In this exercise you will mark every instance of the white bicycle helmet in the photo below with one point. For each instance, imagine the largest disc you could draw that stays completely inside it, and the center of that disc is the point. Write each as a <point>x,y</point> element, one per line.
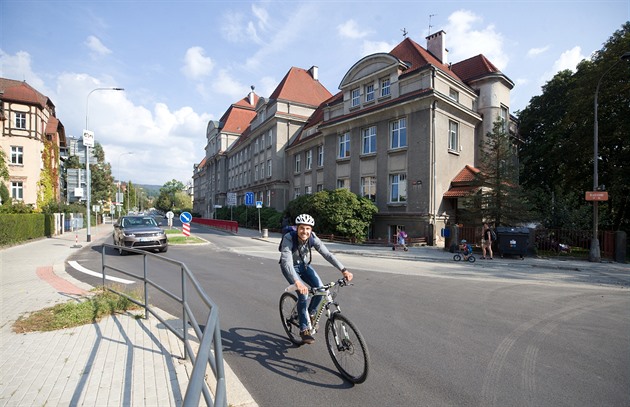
<point>305,219</point>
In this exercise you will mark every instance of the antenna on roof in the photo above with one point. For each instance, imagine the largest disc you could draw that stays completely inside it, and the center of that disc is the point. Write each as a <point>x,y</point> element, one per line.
<point>430,15</point>
<point>404,31</point>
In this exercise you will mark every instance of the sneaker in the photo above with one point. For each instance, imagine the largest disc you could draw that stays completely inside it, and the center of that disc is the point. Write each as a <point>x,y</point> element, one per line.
<point>482,258</point>
<point>307,337</point>
<point>490,258</point>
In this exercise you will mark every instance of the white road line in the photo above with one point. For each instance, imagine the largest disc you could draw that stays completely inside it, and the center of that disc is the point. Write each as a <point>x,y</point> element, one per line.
<point>82,269</point>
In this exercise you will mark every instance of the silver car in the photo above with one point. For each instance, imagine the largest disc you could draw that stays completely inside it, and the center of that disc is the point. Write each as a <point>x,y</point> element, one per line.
<point>139,232</point>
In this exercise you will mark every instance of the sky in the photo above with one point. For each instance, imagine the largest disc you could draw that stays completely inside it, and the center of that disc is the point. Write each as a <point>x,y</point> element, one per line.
<point>183,63</point>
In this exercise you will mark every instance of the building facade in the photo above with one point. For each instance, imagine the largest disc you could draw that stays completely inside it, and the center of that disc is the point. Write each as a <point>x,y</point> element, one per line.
<point>402,127</point>
<point>33,140</point>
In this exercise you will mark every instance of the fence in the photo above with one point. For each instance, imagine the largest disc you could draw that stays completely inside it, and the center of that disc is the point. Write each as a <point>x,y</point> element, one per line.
<point>229,225</point>
<point>555,242</point>
<point>209,337</point>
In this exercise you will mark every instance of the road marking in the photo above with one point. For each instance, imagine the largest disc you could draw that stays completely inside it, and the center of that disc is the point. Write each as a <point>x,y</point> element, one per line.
<point>82,269</point>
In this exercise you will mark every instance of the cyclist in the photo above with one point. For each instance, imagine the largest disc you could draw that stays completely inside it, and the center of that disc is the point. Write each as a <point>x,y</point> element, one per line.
<point>465,248</point>
<point>297,270</point>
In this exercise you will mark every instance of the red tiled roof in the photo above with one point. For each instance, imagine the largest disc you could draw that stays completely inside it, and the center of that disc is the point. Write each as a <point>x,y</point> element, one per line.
<point>463,183</point>
<point>474,67</point>
<point>239,115</point>
<point>299,86</point>
<point>20,91</point>
<point>409,51</point>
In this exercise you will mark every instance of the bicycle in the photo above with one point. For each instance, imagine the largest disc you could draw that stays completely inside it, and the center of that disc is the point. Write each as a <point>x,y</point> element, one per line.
<point>459,256</point>
<point>345,343</point>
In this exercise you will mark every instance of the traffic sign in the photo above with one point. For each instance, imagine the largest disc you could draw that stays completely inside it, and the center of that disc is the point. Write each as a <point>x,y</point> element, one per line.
<point>258,204</point>
<point>249,198</point>
<point>185,217</point>
<point>88,138</point>
<point>231,199</point>
<point>169,215</point>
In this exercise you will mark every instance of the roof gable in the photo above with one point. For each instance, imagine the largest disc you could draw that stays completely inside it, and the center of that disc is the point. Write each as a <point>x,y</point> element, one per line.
<point>474,67</point>
<point>20,91</point>
<point>410,52</point>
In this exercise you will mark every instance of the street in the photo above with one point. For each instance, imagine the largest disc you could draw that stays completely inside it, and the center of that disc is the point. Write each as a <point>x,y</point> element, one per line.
<point>439,333</point>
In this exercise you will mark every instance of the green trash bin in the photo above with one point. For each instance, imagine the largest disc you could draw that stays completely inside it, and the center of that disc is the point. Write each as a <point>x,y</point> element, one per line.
<point>512,241</point>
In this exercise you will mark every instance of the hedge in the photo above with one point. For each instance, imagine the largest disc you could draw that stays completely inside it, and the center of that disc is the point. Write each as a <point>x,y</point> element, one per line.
<point>19,227</point>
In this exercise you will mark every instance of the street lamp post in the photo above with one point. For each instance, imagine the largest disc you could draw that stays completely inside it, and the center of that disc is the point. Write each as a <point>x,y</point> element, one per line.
<point>88,180</point>
<point>119,181</point>
<point>594,253</point>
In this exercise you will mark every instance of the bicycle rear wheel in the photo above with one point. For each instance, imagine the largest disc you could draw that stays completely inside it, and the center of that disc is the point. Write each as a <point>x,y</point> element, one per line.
<point>347,348</point>
<point>290,319</point>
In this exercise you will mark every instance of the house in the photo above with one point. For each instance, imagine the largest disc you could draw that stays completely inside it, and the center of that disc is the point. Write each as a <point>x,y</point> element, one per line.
<point>401,129</point>
<point>32,139</point>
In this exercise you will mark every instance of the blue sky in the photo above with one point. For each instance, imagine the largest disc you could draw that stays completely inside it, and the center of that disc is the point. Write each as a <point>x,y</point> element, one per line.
<point>182,63</point>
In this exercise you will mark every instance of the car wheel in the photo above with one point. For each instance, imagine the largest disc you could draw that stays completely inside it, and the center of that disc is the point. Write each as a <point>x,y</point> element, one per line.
<point>164,249</point>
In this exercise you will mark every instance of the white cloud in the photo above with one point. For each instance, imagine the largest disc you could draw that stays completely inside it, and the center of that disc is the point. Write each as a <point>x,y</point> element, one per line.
<point>18,67</point>
<point>238,28</point>
<point>227,85</point>
<point>196,64</point>
<point>350,29</point>
<point>464,40</point>
<point>537,51</point>
<point>96,47</point>
<point>567,60</point>
<point>372,47</point>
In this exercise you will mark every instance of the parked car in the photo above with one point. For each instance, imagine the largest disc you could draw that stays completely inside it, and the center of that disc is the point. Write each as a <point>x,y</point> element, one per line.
<point>139,232</point>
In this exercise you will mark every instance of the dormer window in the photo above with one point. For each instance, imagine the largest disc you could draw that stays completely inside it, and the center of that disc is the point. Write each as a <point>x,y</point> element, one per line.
<point>453,94</point>
<point>369,92</point>
<point>356,97</point>
<point>384,87</point>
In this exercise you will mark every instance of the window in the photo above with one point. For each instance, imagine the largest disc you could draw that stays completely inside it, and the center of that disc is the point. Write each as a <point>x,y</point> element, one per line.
<point>320,187</point>
<point>343,183</point>
<point>298,162</point>
<point>255,173</point>
<point>320,156</point>
<point>356,97</point>
<point>398,188</point>
<point>256,146</point>
<point>309,160</point>
<point>384,87</point>
<point>453,135</point>
<point>270,140</point>
<point>296,192</point>
<point>504,118</point>
<point>368,188</point>
<point>17,190</point>
<point>344,145</point>
<point>369,92</point>
<point>453,94</point>
<point>308,190</point>
<point>20,120</point>
<point>268,197</point>
<point>17,155</point>
<point>262,142</point>
<point>398,133</point>
<point>269,168</point>
<point>369,140</point>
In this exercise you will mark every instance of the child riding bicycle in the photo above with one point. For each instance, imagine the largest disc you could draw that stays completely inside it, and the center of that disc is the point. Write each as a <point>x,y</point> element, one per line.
<point>294,248</point>
<point>465,249</point>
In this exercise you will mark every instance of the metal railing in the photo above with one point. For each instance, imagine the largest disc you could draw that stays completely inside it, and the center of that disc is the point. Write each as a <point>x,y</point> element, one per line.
<point>209,338</point>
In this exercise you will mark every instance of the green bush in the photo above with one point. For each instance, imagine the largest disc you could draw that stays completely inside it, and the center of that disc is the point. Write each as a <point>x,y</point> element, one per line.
<point>20,227</point>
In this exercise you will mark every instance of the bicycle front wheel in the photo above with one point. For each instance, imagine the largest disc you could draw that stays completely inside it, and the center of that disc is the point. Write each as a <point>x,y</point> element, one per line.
<point>290,319</point>
<point>347,348</point>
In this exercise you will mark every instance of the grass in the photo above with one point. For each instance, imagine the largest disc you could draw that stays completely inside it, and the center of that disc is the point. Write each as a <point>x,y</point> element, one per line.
<point>184,240</point>
<point>88,310</point>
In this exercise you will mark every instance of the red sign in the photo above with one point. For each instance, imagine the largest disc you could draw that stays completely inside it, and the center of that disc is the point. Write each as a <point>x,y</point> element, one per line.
<point>186,229</point>
<point>596,195</point>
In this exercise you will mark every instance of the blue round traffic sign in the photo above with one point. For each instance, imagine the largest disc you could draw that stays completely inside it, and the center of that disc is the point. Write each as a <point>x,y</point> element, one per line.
<point>185,217</point>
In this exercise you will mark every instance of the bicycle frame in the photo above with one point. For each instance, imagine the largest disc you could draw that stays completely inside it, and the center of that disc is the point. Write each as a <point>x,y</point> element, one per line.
<point>326,303</point>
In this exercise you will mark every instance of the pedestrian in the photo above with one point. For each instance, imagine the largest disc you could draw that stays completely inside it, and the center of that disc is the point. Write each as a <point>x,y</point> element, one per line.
<point>486,241</point>
<point>401,236</point>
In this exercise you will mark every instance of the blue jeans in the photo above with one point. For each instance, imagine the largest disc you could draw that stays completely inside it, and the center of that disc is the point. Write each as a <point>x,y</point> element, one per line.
<point>308,275</point>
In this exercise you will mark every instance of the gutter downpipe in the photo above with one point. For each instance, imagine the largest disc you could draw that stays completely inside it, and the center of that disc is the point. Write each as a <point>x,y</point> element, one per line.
<point>432,199</point>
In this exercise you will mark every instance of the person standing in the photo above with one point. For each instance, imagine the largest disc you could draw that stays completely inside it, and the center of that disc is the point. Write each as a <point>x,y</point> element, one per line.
<point>486,241</point>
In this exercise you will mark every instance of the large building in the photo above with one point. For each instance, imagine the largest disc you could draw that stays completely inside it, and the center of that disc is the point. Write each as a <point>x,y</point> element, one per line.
<point>32,140</point>
<point>403,130</point>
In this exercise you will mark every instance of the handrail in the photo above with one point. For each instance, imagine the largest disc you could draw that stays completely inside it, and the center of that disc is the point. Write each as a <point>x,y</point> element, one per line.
<point>209,338</point>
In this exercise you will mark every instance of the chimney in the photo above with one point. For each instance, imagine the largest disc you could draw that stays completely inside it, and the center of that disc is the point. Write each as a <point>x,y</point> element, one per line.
<point>314,71</point>
<point>436,45</point>
<point>251,96</point>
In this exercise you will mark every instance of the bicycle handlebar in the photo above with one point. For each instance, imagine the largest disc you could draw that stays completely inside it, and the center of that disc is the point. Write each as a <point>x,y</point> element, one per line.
<point>342,282</point>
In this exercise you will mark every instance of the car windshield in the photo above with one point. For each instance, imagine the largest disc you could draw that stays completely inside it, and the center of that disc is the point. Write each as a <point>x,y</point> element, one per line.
<point>133,222</point>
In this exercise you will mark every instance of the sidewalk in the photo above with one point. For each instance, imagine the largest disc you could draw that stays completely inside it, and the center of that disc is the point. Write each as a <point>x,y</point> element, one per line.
<point>119,361</point>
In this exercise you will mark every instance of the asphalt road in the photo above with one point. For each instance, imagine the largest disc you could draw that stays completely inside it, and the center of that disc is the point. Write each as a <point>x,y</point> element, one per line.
<point>437,334</point>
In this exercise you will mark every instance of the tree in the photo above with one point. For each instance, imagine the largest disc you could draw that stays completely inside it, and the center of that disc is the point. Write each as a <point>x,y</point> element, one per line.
<point>339,212</point>
<point>4,169</point>
<point>168,198</point>
<point>500,200</point>
<point>557,127</point>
